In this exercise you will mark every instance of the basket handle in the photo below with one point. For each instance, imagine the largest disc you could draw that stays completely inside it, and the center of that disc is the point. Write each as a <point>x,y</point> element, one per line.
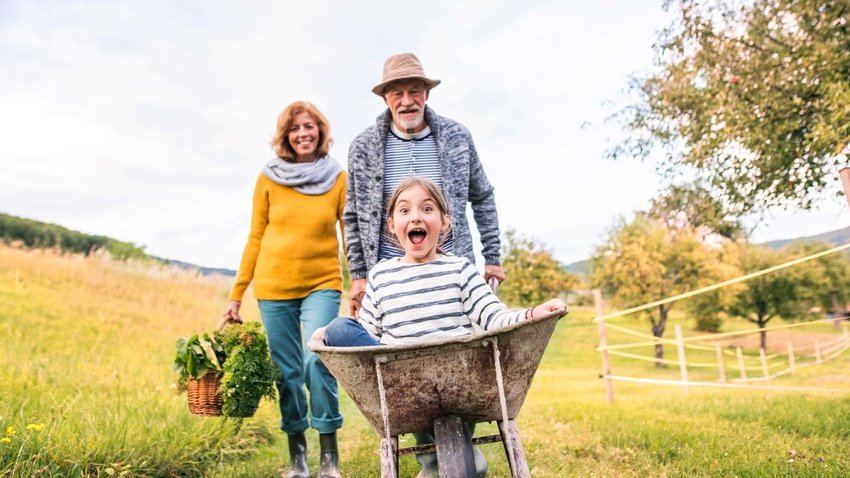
<point>223,322</point>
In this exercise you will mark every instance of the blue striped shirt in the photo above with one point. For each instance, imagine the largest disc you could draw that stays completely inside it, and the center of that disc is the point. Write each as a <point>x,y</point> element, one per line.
<point>405,156</point>
<point>438,300</point>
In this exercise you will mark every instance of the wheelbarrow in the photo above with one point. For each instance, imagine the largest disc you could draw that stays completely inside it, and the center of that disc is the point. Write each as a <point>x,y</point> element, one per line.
<point>440,387</point>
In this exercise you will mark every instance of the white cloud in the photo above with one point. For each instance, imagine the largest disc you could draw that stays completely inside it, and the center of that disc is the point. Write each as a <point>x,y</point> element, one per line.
<point>149,121</point>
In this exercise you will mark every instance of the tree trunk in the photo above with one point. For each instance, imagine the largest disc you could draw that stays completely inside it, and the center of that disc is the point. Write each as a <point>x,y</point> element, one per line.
<point>837,312</point>
<point>763,334</point>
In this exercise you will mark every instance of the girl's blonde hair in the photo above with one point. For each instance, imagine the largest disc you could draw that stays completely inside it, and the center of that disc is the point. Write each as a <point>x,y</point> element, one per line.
<point>433,191</point>
<point>280,142</point>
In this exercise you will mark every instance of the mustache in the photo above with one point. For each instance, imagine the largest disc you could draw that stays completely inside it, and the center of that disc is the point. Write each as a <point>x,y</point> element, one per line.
<point>409,109</point>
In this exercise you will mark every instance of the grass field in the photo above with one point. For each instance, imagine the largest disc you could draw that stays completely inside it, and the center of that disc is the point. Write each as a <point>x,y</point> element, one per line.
<point>85,390</point>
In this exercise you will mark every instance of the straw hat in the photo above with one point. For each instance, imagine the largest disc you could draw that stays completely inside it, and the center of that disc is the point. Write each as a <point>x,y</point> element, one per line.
<point>403,66</point>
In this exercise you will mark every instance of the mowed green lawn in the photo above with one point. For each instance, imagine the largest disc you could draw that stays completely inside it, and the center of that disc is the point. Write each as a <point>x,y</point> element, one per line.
<point>85,390</point>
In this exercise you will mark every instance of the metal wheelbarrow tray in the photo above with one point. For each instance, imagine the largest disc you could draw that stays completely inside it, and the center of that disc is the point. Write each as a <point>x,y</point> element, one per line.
<point>437,387</point>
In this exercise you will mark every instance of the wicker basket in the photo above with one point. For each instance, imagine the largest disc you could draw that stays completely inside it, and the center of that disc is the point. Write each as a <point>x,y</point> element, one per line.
<point>205,395</point>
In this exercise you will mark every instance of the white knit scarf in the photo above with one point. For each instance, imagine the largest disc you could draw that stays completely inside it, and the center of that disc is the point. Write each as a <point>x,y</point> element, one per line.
<point>315,178</point>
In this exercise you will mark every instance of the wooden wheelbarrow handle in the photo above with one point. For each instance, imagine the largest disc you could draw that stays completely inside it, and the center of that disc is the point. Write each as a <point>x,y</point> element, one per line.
<point>494,284</point>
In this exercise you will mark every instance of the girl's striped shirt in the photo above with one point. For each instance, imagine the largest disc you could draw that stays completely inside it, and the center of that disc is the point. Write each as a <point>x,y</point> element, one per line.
<point>438,300</point>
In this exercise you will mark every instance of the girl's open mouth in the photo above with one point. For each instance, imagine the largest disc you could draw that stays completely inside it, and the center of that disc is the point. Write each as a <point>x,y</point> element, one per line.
<point>417,236</point>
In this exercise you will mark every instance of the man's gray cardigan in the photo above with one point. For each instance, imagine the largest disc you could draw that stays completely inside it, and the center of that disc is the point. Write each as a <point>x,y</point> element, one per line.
<point>463,181</point>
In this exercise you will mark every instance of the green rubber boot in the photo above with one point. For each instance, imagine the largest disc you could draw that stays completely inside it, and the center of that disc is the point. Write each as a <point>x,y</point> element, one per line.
<point>480,462</point>
<point>329,456</point>
<point>429,467</point>
<point>427,461</point>
<point>297,457</point>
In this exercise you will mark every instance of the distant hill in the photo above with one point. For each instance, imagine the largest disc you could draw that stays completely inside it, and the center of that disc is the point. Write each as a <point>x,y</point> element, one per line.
<point>579,268</point>
<point>203,270</point>
<point>833,238</point>
<point>43,235</point>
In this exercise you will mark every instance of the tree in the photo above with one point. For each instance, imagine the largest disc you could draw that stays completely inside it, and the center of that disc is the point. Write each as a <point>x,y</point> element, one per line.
<point>533,274</point>
<point>644,261</point>
<point>785,293</point>
<point>827,278</point>
<point>693,205</point>
<point>710,307</point>
<point>752,96</point>
<point>45,235</point>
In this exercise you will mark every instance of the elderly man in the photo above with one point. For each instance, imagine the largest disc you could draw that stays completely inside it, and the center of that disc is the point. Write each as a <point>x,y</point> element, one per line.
<point>410,139</point>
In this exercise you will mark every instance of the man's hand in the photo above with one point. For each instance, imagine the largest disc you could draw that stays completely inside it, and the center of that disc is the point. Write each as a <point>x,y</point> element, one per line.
<point>491,270</point>
<point>355,296</point>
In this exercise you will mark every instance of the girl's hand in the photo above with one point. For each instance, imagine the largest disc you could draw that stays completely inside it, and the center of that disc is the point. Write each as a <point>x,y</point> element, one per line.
<point>546,308</point>
<point>232,312</point>
<point>318,334</point>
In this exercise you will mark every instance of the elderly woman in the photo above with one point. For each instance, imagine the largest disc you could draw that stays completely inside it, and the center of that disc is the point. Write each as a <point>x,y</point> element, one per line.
<point>292,258</point>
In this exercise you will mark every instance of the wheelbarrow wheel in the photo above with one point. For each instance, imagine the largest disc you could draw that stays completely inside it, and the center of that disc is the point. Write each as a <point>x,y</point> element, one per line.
<point>454,447</point>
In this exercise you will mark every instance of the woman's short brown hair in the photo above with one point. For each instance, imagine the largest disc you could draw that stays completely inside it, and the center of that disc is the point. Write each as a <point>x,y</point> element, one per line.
<point>280,142</point>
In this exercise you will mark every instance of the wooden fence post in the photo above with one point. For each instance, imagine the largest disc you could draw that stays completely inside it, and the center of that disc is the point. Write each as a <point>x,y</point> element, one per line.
<point>818,359</point>
<point>603,342</point>
<point>741,366</point>
<point>763,357</point>
<point>792,362</point>
<point>683,366</point>
<point>721,366</point>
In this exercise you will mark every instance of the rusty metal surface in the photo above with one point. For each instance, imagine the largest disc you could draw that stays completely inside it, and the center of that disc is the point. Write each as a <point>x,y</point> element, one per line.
<point>426,381</point>
<point>432,447</point>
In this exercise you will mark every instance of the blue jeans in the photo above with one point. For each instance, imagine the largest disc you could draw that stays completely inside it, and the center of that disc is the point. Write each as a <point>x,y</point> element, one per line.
<point>287,323</point>
<point>346,332</point>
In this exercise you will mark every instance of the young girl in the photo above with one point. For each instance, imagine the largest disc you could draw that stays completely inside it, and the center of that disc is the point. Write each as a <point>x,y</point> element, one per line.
<point>424,295</point>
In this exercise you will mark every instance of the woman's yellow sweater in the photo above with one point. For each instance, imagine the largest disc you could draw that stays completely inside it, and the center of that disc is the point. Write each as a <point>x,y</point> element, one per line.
<point>292,248</point>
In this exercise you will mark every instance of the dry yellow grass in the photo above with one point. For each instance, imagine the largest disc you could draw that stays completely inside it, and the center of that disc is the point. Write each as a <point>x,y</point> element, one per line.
<point>87,346</point>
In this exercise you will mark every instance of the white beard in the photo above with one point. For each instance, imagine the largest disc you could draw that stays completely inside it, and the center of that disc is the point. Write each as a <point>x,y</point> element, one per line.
<point>408,124</point>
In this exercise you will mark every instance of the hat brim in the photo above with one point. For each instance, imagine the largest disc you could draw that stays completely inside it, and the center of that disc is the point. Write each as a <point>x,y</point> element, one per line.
<point>381,87</point>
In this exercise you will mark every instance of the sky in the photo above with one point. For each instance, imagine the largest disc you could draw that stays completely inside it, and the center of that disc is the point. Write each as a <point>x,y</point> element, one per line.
<point>149,121</point>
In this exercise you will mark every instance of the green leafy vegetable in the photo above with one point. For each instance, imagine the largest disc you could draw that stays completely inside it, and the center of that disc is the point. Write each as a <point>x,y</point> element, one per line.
<point>241,353</point>
<point>249,373</point>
